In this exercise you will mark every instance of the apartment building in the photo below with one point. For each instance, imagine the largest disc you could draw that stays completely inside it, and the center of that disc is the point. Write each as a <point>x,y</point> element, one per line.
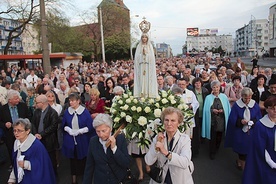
<point>272,30</point>
<point>252,38</point>
<point>208,42</point>
<point>6,25</point>
<point>26,43</point>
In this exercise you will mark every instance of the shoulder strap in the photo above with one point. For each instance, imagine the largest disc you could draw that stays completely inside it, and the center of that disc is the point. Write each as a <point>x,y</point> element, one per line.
<point>171,151</point>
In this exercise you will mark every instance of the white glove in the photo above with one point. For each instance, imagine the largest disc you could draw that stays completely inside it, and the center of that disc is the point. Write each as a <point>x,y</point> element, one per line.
<point>269,161</point>
<point>71,131</point>
<point>250,123</point>
<point>68,129</point>
<point>74,132</point>
<point>83,130</point>
<point>20,170</point>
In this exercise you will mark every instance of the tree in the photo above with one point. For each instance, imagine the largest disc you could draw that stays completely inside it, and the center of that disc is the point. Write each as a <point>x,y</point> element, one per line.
<point>23,12</point>
<point>117,46</point>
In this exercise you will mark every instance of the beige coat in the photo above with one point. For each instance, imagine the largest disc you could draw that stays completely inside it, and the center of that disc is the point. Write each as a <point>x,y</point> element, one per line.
<point>180,162</point>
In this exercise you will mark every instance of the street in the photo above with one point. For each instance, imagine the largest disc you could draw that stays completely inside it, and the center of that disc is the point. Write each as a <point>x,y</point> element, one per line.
<point>218,171</point>
<point>267,62</point>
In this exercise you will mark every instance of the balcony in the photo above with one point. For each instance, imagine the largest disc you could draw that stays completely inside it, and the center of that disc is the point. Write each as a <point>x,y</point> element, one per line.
<point>2,27</point>
<point>259,34</point>
<point>17,39</point>
<point>259,28</point>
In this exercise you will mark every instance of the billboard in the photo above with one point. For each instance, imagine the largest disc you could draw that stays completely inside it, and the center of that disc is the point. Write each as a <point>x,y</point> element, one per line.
<point>208,31</point>
<point>192,31</point>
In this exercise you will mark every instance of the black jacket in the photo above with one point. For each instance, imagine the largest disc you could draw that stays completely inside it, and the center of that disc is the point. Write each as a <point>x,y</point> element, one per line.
<point>50,125</point>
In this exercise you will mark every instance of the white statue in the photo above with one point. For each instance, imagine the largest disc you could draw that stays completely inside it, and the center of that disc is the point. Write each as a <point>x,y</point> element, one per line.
<point>145,80</point>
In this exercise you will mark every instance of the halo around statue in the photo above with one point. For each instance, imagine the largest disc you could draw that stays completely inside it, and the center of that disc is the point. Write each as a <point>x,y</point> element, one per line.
<point>144,26</point>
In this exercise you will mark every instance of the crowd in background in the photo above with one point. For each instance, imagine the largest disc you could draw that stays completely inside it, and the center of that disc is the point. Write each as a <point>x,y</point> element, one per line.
<point>211,88</point>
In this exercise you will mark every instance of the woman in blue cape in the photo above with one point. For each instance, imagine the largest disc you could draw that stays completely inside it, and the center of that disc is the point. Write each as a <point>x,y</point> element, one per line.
<point>31,162</point>
<point>216,111</point>
<point>244,114</point>
<point>260,167</point>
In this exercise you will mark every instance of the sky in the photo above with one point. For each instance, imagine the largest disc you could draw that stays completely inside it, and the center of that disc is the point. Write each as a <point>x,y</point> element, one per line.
<point>170,18</point>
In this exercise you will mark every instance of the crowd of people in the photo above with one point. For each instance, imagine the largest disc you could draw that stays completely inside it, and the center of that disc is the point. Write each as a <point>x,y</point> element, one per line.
<point>66,108</point>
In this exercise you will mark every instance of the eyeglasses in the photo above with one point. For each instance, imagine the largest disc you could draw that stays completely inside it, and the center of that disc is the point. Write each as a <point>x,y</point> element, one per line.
<point>18,131</point>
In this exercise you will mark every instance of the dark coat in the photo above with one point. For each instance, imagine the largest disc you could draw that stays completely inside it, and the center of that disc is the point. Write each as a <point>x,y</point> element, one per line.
<point>99,164</point>
<point>50,125</point>
<point>6,117</point>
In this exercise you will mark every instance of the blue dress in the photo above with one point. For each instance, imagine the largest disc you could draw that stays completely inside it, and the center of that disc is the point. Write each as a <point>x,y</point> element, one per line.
<point>42,171</point>
<point>80,142</point>
<point>257,170</point>
<point>235,136</point>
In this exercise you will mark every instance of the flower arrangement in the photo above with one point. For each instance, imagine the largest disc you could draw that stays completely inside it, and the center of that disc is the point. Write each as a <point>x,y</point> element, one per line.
<point>142,116</point>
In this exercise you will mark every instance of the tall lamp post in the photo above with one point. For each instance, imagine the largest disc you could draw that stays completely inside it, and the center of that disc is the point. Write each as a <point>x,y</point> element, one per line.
<point>131,54</point>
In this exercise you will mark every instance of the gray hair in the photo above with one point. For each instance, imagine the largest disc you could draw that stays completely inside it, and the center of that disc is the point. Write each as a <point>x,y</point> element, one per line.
<point>24,122</point>
<point>177,90</point>
<point>215,83</point>
<point>13,93</point>
<point>229,71</point>
<point>102,119</point>
<point>246,91</point>
<point>118,89</point>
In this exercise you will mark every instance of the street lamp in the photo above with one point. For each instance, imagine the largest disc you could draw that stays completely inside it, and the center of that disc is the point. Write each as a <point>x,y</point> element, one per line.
<point>131,54</point>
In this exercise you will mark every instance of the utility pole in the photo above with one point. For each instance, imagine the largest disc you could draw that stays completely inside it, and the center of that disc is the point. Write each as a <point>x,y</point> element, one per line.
<point>102,35</point>
<point>44,35</point>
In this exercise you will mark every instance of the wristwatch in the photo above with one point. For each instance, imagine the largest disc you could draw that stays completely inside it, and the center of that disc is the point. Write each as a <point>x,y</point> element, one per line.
<point>169,155</point>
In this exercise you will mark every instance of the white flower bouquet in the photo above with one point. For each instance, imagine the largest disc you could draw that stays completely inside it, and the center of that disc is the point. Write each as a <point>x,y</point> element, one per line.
<point>142,116</point>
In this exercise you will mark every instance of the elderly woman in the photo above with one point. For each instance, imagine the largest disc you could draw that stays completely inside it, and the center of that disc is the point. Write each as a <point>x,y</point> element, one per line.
<point>31,162</point>
<point>216,111</point>
<point>174,150</point>
<point>244,114</point>
<point>261,159</point>
<point>96,105</point>
<point>77,125</point>
<point>106,164</point>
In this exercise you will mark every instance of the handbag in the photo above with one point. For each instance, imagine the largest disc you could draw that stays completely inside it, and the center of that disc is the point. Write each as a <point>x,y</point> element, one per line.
<point>156,172</point>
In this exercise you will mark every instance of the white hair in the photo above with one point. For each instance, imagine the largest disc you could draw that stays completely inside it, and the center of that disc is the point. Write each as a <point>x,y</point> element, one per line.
<point>102,119</point>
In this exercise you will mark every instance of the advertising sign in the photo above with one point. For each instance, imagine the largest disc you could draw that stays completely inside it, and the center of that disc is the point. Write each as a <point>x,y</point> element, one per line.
<point>192,31</point>
<point>208,31</point>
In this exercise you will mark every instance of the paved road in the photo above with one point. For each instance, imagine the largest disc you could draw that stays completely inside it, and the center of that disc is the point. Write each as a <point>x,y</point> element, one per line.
<point>267,62</point>
<point>218,171</point>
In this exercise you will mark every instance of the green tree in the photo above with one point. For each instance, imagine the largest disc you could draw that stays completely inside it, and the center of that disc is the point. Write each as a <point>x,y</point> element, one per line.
<point>117,46</point>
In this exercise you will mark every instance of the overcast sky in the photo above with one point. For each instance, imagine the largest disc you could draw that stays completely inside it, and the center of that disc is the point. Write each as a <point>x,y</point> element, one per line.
<point>170,18</point>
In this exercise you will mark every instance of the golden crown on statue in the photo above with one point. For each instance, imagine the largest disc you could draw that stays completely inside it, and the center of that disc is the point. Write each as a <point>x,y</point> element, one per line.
<point>144,26</point>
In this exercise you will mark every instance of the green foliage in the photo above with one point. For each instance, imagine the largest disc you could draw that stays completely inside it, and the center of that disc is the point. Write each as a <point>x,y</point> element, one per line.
<point>117,46</point>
